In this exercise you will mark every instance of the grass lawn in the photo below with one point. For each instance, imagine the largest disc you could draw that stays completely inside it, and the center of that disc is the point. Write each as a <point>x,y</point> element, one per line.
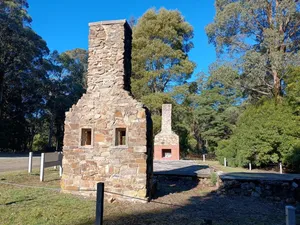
<point>22,205</point>
<point>178,202</point>
<point>227,169</point>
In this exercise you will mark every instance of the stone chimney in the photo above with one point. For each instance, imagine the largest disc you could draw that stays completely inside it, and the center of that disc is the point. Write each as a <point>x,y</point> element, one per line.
<point>109,55</point>
<point>166,120</point>
<point>108,133</point>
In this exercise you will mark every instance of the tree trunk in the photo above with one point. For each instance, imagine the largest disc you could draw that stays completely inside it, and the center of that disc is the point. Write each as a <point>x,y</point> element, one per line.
<point>1,92</point>
<point>50,133</point>
<point>277,85</point>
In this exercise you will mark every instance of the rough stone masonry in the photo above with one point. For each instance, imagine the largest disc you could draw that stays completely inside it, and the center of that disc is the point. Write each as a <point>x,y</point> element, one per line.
<point>108,134</point>
<point>166,143</point>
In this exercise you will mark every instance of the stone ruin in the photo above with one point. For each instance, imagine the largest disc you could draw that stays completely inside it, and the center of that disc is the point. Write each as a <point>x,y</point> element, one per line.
<point>108,134</point>
<point>166,143</point>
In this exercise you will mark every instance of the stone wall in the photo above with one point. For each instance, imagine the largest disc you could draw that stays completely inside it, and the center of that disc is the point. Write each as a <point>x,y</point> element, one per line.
<point>166,138</point>
<point>287,191</point>
<point>126,169</point>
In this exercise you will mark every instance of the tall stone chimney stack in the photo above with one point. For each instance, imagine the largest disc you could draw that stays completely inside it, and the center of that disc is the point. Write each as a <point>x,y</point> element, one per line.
<point>109,55</point>
<point>166,123</point>
<point>108,133</point>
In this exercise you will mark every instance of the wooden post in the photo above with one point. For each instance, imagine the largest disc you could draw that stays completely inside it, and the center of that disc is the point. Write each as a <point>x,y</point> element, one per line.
<point>250,166</point>
<point>203,157</point>
<point>42,167</point>
<point>290,215</point>
<point>60,170</point>
<point>225,162</point>
<point>30,163</point>
<point>60,166</point>
<point>99,204</point>
<point>280,167</point>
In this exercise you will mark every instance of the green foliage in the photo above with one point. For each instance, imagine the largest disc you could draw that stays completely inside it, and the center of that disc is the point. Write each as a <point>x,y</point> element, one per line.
<point>65,85</point>
<point>21,75</point>
<point>161,41</point>
<point>263,38</point>
<point>35,89</point>
<point>213,178</point>
<point>266,133</point>
<point>293,88</point>
<point>39,142</point>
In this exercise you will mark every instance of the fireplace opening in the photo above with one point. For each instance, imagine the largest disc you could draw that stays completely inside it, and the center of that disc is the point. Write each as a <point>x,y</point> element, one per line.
<point>120,136</point>
<point>166,153</point>
<point>86,136</point>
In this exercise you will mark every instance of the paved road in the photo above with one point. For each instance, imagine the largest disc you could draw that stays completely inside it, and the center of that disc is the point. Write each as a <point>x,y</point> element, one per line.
<point>17,162</point>
<point>188,168</point>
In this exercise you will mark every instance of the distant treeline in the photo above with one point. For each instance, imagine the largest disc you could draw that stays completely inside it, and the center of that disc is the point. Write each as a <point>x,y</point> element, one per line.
<point>246,109</point>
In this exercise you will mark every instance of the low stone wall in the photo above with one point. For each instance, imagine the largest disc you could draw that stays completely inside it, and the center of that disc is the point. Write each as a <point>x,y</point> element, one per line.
<point>286,191</point>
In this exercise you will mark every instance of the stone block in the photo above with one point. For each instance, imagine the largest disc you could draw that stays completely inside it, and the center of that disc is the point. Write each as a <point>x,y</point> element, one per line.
<point>141,149</point>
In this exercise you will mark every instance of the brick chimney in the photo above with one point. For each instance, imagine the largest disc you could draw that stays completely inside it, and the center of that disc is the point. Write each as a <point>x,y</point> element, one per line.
<point>166,142</point>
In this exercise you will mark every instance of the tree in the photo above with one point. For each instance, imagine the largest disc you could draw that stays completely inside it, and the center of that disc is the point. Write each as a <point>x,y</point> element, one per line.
<point>218,107</point>
<point>161,42</point>
<point>21,75</point>
<point>293,88</point>
<point>206,110</point>
<point>21,49</point>
<point>266,133</point>
<point>264,38</point>
<point>66,84</point>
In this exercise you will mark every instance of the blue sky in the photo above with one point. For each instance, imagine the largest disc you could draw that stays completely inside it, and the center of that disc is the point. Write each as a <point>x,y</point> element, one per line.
<point>64,23</point>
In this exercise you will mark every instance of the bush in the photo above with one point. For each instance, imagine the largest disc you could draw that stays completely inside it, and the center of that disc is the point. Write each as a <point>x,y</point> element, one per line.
<point>39,142</point>
<point>213,179</point>
<point>266,133</point>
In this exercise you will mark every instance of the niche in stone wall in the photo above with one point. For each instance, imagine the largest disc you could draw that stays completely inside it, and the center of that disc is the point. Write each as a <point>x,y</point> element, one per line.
<point>86,137</point>
<point>120,137</point>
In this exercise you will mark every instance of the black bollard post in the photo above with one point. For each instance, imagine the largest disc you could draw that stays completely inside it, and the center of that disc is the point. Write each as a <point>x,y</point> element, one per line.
<point>99,204</point>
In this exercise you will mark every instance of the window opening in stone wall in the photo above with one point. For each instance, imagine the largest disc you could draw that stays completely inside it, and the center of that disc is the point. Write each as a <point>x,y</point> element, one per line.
<point>86,137</point>
<point>166,153</point>
<point>120,136</point>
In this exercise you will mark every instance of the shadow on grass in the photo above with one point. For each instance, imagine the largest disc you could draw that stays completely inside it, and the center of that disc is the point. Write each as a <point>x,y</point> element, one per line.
<point>172,184</point>
<point>179,201</point>
<point>207,210</point>
<point>20,201</point>
<point>178,180</point>
<point>188,171</point>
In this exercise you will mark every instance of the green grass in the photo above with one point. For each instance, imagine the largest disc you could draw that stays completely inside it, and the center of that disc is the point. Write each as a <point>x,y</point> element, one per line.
<point>227,169</point>
<point>51,178</point>
<point>45,205</point>
<point>39,206</point>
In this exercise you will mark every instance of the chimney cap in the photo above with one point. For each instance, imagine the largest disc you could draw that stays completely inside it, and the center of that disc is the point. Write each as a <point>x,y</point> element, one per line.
<point>107,22</point>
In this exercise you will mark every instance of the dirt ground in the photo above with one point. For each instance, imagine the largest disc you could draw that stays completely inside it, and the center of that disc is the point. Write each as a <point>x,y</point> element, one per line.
<point>178,201</point>
<point>184,201</point>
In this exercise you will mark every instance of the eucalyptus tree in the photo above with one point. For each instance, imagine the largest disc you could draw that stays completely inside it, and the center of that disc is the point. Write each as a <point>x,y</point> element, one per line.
<point>21,49</point>
<point>264,38</point>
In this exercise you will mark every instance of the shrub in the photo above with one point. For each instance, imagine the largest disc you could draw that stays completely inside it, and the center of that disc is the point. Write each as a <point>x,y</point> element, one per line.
<point>213,179</point>
<point>266,133</point>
